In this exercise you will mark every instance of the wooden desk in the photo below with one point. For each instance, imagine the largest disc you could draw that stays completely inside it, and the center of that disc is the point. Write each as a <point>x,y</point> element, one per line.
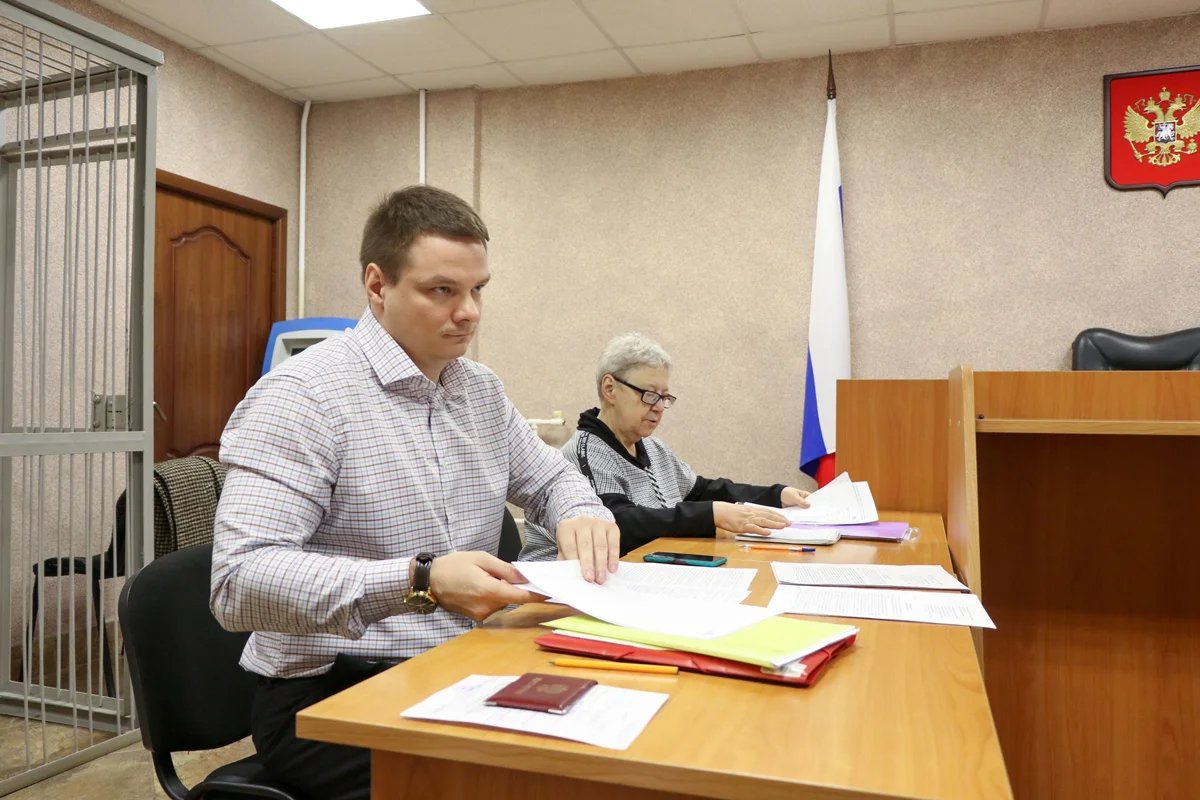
<point>902,715</point>
<point>1071,511</point>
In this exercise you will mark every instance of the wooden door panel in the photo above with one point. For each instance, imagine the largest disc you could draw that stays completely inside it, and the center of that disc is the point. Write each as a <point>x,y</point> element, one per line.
<point>217,271</point>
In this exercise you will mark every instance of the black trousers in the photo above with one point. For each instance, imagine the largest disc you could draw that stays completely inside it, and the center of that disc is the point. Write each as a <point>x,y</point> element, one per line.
<point>315,770</point>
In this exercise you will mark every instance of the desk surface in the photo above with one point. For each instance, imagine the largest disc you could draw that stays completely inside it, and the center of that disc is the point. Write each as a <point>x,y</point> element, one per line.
<point>902,714</point>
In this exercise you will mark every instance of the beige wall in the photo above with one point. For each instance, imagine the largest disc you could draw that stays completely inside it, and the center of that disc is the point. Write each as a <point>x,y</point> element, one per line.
<point>219,128</point>
<point>978,223</point>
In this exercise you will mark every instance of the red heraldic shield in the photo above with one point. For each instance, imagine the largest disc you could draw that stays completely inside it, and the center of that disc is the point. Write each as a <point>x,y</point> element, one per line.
<point>1152,129</point>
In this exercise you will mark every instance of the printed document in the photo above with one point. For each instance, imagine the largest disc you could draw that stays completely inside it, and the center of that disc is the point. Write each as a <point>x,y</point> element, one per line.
<point>909,576</point>
<point>620,602</point>
<point>940,608</point>
<point>839,502</point>
<point>607,716</point>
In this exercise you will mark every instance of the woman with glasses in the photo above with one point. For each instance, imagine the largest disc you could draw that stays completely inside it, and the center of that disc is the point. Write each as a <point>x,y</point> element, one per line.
<point>650,491</point>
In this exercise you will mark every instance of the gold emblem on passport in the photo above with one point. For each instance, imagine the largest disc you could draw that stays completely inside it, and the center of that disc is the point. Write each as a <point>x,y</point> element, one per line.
<point>1163,129</point>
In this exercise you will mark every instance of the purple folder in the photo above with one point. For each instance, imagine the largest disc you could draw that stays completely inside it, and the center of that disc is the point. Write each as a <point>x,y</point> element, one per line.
<point>882,531</point>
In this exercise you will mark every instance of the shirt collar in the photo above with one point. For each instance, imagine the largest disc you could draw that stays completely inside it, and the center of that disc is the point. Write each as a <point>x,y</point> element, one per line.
<point>393,365</point>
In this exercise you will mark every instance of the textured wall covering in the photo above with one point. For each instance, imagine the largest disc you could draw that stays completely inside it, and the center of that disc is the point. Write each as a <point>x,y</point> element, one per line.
<point>357,153</point>
<point>978,223</point>
<point>219,128</point>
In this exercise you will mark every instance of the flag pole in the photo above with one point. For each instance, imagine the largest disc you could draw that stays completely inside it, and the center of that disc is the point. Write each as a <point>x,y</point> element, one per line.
<point>830,86</point>
<point>829,314</point>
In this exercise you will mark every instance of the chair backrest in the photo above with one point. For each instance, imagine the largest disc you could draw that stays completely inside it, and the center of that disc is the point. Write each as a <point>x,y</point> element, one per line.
<point>1104,349</point>
<point>190,692</point>
<point>510,539</point>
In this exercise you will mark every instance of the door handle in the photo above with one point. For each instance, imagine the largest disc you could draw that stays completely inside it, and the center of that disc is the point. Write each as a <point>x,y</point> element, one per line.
<point>158,410</point>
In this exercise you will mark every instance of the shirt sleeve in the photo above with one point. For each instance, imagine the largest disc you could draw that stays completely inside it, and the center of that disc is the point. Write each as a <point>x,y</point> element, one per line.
<point>539,544</point>
<point>723,489</point>
<point>543,482</point>
<point>284,452</point>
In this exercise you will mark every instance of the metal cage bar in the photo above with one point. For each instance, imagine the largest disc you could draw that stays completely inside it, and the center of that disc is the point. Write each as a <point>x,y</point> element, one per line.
<point>77,114</point>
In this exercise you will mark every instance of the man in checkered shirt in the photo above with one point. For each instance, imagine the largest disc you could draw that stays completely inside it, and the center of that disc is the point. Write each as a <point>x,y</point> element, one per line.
<point>368,475</point>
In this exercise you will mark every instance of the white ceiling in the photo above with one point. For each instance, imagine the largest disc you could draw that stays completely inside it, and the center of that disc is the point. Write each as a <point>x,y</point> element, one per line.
<point>496,44</point>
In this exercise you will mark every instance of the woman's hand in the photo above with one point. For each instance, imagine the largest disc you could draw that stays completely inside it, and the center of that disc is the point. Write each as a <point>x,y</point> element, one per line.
<point>747,519</point>
<point>792,496</point>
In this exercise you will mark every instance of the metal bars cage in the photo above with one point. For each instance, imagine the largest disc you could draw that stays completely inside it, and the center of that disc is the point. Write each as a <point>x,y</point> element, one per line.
<point>77,104</point>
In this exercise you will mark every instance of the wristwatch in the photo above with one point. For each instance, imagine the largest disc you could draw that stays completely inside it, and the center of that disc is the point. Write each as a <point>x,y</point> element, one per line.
<point>420,599</point>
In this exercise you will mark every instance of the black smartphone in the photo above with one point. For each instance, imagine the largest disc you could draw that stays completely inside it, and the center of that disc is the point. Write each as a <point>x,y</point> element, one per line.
<point>689,559</point>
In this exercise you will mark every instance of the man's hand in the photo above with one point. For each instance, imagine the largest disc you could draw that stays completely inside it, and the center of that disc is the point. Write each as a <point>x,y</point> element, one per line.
<point>747,519</point>
<point>792,496</point>
<point>595,542</point>
<point>476,584</point>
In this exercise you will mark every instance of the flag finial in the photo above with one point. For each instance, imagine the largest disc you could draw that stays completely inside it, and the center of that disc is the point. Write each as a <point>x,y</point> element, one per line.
<point>830,86</point>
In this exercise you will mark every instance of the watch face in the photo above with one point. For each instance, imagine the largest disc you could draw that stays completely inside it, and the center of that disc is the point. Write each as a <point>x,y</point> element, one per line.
<point>421,602</point>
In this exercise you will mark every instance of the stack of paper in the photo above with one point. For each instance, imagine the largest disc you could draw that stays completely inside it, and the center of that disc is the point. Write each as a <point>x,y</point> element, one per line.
<point>840,508</point>
<point>624,600</point>
<point>833,590</point>
<point>839,502</point>
<point>773,643</point>
<point>940,608</point>
<point>908,576</point>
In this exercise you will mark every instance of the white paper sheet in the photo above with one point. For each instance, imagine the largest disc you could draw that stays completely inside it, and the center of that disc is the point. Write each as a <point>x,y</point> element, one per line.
<point>941,608</point>
<point>909,576</point>
<point>839,502</point>
<point>607,716</point>
<point>622,604</point>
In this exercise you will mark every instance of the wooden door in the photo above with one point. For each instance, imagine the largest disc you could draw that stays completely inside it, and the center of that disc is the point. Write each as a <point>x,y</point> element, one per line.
<point>218,286</point>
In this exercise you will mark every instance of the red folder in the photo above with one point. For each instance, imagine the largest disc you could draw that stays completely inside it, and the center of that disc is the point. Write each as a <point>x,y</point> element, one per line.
<point>709,665</point>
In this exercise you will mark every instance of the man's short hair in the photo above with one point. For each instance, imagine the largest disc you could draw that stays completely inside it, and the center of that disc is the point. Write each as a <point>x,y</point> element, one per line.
<point>626,352</point>
<point>404,215</point>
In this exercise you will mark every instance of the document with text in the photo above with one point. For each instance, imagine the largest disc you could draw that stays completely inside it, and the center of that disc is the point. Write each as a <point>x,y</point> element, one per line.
<point>607,716</point>
<point>620,600</point>
<point>940,608</point>
<point>839,502</point>
<point>907,576</point>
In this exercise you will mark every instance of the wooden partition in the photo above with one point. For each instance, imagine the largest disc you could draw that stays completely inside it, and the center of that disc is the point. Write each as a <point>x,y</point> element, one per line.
<point>962,499</point>
<point>1083,553</point>
<point>1071,509</point>
<point>892,434</point>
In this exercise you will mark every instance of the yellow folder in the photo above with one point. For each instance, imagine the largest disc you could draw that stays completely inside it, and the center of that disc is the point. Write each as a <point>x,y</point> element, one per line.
<point>771,643</point>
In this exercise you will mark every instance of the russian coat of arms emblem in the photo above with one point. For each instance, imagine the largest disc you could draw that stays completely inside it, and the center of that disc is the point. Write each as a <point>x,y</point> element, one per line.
<point>1152,136</point>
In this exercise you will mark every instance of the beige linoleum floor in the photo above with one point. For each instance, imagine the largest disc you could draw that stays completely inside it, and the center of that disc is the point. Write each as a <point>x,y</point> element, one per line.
<point>126,774</point>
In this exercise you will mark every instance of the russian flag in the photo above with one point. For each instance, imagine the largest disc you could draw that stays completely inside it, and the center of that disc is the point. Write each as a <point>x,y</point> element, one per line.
<point>828,314</point>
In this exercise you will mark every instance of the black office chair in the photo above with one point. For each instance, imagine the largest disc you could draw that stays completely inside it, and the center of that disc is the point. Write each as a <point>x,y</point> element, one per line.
<point>510,539</point>
<point>109,564</point>
<point>186,491</point>
<point>190,692</point>
<point>1104,349</point>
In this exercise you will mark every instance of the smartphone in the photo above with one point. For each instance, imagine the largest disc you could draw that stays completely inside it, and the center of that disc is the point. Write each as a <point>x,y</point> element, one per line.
<point>689,559</point>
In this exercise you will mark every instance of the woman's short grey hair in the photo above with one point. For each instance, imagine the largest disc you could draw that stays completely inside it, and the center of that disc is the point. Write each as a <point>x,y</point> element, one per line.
<point>629,351</point>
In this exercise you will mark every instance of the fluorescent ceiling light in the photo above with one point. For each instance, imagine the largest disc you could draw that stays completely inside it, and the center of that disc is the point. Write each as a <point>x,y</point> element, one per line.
<point>340,13</point>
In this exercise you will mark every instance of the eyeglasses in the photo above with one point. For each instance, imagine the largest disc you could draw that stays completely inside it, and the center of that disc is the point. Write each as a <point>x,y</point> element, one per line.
<point>649,397</point>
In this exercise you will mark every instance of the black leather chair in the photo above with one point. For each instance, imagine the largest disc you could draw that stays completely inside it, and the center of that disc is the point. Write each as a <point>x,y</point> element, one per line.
<point>186,491</point>
<point>510,539</point>
<point>1104,349</point>
<point>99,567</point>
<point>190,692</point>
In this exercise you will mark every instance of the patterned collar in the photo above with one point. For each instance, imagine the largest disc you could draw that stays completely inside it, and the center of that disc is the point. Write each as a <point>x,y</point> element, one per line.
<point>393,365</point>
<point>590,422</point>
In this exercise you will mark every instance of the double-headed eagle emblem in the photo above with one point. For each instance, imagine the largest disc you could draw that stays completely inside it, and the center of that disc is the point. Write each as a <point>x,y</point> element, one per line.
<point>1157,130</point>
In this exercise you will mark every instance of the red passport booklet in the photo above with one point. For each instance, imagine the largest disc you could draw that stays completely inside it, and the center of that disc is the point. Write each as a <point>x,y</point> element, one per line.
<point>535,691</point>
<point>813,665</point>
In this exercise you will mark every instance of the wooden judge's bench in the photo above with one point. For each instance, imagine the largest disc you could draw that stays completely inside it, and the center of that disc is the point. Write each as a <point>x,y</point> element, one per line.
<point>1072,508</point>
